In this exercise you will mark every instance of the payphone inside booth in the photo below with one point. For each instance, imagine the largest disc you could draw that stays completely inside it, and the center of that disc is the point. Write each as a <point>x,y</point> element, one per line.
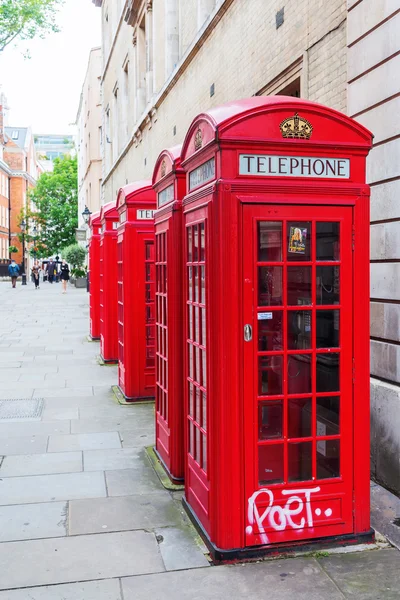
<point>108,296</point>
<point>169,182</point>
<point>94,270</point>
<point>136,287</point>
<point>277,374</point>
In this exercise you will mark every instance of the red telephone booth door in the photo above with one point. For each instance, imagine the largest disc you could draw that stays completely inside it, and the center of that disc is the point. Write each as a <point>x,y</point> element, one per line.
<point>298,372</point>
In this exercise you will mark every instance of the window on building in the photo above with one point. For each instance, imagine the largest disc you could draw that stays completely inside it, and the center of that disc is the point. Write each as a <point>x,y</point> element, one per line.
<point>293,89</point>
<point>287,83</point>
<point>15,134</point>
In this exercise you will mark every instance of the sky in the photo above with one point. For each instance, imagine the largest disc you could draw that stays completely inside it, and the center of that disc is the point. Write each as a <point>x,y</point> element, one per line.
<point>44,91</point>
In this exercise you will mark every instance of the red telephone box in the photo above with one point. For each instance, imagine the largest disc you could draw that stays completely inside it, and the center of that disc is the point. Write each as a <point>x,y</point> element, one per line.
<point>169,182</point>
<point>277,286</point>
<point>94,275</point>
<point>108,300</point>
<point>136,280</point>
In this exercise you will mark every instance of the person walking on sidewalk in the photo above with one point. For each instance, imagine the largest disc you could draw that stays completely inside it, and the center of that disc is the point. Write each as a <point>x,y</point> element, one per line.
<point>50,268</point>
<point>64,276</point>
<point>13,271</point>
<point>35,274</point>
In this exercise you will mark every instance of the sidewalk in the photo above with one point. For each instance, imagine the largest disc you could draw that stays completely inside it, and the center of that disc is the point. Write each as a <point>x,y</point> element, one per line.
<point>83,515</point>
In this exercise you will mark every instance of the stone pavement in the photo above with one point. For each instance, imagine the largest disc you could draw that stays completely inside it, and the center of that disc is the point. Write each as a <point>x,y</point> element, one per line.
<point>83,515</point>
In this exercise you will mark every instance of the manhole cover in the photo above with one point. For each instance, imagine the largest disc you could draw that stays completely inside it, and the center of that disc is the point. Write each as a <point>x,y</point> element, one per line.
<point>21,410</point>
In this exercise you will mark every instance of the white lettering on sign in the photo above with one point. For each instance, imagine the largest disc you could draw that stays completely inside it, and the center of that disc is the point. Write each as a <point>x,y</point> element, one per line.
<point>264,316</point>
<point>203,173</point>
<point>268,165</point>
<point>166,195</point>
<point>143,215</point>
<point>279,517</point>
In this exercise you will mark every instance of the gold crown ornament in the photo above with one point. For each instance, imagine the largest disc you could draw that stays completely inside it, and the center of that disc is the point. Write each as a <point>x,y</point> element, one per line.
<point>296,127</point>
<point>198,139</point>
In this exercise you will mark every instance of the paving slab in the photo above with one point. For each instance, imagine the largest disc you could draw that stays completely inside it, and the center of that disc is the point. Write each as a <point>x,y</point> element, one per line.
<point>301,579</point>
<point>33,521</point>
<point>385,513</point>
<point>181,548</point>
<point>123,423</point>
<point>25,428</point>
<point>71,559</point>
<point>34,444</point>
<point>109,460</point>
<point>122,513</point>
<point>368,575</point>
<point>106,589</point>
<point>16,393</point>
<point>138,438</point>
<point>41,464</point>
<point>50,488</point>
<point>64,414</point>
<point>83,441</point>
<point>63,392</point>
<point>127,482</point>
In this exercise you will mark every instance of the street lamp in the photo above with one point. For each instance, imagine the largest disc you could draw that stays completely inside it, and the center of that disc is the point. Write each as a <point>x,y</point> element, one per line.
<point>86,215</point>
<point>22,227</point>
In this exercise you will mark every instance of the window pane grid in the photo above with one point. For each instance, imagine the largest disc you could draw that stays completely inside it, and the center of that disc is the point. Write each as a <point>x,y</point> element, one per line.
<point>196,343</point>
<point>301,453</point>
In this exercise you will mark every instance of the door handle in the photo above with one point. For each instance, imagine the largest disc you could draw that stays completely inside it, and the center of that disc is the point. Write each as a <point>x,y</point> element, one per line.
<point>248,333</point>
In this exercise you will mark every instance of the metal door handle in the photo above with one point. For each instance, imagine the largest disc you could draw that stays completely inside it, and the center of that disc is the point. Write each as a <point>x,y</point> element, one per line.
<point>248,333</point>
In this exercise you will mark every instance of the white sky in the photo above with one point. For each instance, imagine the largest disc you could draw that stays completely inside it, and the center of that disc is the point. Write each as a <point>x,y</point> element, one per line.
<point>44,91</point>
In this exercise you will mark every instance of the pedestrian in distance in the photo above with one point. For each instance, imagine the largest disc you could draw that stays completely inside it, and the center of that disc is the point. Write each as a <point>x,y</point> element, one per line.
<point>50,268</point>
<point>13,271</point>
<point>64,276</point>
<point>36,275</point>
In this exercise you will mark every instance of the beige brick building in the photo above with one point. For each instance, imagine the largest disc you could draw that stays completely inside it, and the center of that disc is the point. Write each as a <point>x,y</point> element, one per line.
<point>89,124</point>
<point>164,61</point>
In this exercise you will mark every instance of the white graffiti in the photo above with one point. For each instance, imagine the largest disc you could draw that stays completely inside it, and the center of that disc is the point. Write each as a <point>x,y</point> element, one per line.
<point>279,517</point>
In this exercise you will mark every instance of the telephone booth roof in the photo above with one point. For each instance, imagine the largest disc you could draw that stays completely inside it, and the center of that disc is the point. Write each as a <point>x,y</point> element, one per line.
<point>94,219</point>
<point>108,211</point>
<point>244,120</point>
<point>127,193</point>
<point>172,158</point>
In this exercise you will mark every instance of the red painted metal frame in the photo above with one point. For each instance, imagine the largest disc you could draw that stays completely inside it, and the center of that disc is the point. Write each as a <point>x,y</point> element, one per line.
<point>94,274</point>
<point>109,219</point>
<point>169,177</point>
<point>135,270</point>
<point>217,498</point>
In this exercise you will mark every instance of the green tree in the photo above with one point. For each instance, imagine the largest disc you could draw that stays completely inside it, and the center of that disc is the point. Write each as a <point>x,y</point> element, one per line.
<point>75,255</point>
<point>26,19</point>
<point>54,207</point>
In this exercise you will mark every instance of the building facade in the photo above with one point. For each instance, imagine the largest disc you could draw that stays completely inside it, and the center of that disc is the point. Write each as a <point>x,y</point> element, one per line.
<point>51,146</point>
<point>89,125</point>
<point>373,38</point>
<point>164,61</point>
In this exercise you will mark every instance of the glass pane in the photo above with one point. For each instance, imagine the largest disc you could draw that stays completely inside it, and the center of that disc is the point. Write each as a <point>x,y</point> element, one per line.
<point>299,417</point>
<point>298,240</point>
<point>270,375</point>
<point>191,403</point>
<point>270,331</point>
<point>299,286</point>
<point>204,368</point>
<point>328,415</point>
<point>328,241</point>
<point>198,407</point>
<point>300,461</point>
<point>299,373</point>
<point>203,327</point>
<point>269,286</point>
<point>189,243</point>
<point>205,453</point>
<point>270,415</point>
<point>327,328</point>
<point>269,241</point>
<point>270,464</point>
<point>195,243</point>
<point>328,372</point>
<point>202,242</point>
<point>204,408</point>
<point>191,439</point>
<point>190,359</point>
<point>190,284</point>
<point>203,285</point>
<point>190,322</point>
<point>328,285</point>
<point>299,329</point>
<point>328,459</point>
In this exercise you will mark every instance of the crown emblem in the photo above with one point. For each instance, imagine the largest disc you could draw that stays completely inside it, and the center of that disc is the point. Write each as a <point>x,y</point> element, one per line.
<point>198,140</point>
<point>296,127</point>
<point>163,169</point>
